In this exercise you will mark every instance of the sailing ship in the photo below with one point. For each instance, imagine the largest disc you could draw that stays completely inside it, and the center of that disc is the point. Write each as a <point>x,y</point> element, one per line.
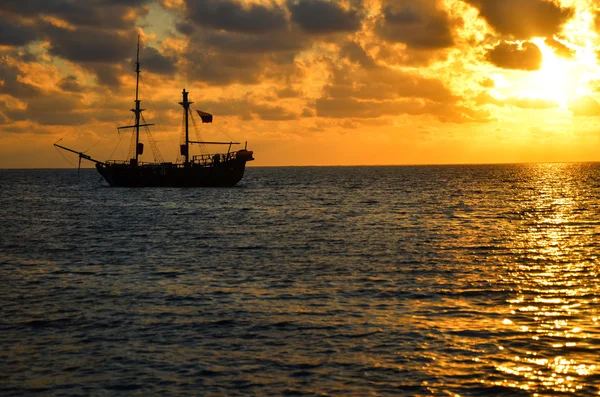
<point>204,170</point>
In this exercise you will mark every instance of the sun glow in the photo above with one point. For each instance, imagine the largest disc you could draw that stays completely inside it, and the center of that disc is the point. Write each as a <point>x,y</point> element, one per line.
<point>558,79</point>
<point>563,78</point>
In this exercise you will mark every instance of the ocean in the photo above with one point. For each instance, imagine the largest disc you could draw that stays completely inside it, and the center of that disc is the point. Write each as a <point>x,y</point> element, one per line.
<point>475,280</point>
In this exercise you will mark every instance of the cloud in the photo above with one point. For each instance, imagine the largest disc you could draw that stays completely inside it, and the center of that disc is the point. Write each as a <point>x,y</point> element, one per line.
<point>381,82</point>
<point>585,106</point>
<point>401,85</point>
<point>70,84</point>
<point>303,54</point>
<point>353,108</point>
<point>108,75</point>
<point>247,109</point>
<point>288,92</point>
<point>322,16</point>
<point>419,25</point>
<point>356,91</point>
<point>90,45</point>
<point>273,113</point>
<point>523,103</point>
<point>356,54</point>
<point>27,99</point>
<point>15,33</point>
<point>234,43</point>
<point>48,109</point>
<point>11,81</point>
<point>156,62</point>
<point>225,68</point>
<point>531,103</point>
<point>105,14</point>
<point>98,35</point>
<point>523,19</point>
<point>559,48</point>
<point>525,56</point>
<point>487,83</point>
<point>232,16</point>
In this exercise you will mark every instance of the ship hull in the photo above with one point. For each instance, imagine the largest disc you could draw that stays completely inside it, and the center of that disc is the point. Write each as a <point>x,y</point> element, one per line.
<point>225,174</point>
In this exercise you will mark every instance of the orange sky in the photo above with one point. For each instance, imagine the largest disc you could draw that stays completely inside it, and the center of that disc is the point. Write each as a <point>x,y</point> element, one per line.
<point>305,82</point>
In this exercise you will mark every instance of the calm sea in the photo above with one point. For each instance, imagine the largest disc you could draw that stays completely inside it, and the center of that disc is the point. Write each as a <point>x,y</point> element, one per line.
<point>346,281</point>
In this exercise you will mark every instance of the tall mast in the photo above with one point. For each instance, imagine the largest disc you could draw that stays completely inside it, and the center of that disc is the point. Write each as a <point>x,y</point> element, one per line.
<point>139,148</point>
<point>137,109</point>
<point>186,106</point>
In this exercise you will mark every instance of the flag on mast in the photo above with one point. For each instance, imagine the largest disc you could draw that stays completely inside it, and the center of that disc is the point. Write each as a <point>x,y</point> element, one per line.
<point>206,117</point>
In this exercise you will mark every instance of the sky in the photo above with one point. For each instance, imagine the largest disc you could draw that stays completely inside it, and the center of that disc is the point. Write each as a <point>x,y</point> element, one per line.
<point>304,82</point>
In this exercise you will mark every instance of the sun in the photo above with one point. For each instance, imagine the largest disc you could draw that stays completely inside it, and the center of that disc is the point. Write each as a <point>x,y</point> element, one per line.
<point>564,76</point>
<point>568,68</point>
<point>559,79</point>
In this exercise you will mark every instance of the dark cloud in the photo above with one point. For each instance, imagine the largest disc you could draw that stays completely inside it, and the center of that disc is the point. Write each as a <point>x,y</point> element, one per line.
<point>99,35</point>
<point>307,112</point>
<point>101,51</point>
<point>234,43</point>
<point>108,75</point>
<point>391,54</point>
<point>418,25</point>
<point>222,68</point>
<point>273,113</point>
<point>105,14</point>
<point>186,28</point>
<point>289,92</point>
<point>48,109</point>
<point>14,33</point>
<point>241,43</point>
<point>585,106</point>
<point>526,56</point>
<point>25,55</point>
<point>69,83</point>
<point>12,84</point>
<point>232,16</point>
<point>523,19</point>
<point>90,44</point>
<point>223,58</point>
<point>355,53</point>
<point>322,16</point>
<point>155,62</point>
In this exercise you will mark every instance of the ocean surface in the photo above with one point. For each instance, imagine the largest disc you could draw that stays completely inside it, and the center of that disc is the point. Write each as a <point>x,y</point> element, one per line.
<point>311,281</point>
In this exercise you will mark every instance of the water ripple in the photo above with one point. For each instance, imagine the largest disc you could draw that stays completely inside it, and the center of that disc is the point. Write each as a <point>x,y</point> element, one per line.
<point>457,280</point>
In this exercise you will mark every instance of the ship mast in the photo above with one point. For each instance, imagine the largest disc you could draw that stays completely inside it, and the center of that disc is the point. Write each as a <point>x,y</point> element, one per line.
<point>137,109</point>
<point>185,149</point>
<point>139,147</point>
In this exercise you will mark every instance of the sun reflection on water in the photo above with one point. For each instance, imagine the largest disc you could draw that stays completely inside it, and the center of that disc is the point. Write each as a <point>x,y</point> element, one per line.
<point>555,282</point>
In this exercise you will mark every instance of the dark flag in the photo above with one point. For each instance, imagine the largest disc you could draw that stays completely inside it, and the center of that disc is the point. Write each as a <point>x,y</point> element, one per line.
<point>206,117</point>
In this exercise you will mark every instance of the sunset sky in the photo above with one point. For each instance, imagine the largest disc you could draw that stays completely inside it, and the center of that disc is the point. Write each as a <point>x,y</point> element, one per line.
<point>305,82</point>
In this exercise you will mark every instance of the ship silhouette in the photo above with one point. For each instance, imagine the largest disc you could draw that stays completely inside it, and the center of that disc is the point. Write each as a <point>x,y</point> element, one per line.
<point>204,170</point>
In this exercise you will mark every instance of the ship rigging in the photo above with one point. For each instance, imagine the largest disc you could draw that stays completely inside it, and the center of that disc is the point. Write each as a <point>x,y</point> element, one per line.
<point>204,170</point>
